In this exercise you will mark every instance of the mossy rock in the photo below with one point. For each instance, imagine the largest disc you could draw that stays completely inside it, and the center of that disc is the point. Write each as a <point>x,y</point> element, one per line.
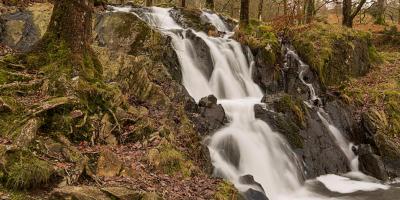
<point>335,53</point>
<point>23,170</point>
<point>293,107</point>
<point>169,160</point>
<point>226,191</point>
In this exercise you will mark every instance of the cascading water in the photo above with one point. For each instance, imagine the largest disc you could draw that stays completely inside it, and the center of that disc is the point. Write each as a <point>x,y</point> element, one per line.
<point>246,145</point>
<point>313,101</point>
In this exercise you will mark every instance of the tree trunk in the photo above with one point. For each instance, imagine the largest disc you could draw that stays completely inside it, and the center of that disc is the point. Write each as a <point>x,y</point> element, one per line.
<point>347,21</point>
<point>183,3</point>
<point>260,9</point>
<point>71,23</point>
<point>149,3</point>
<point>244,13</point>
<point>210,4</point>
<point>69,36</point>
<point>380,15</point>
<point>398,13</point>
<point>310,10</point>
<point>348,16</point>
<point>285,7</point>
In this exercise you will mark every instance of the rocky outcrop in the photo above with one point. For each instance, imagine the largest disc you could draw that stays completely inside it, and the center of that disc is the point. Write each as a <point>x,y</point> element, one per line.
<point>333,51</point>
<point>210,117</point>
<point>371,163</point>
<point>23,28</point>
<point>311,141</point>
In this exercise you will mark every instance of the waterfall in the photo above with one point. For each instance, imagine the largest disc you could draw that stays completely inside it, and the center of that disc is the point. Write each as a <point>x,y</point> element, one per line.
<point>314,100</point>
<point>246,146</point>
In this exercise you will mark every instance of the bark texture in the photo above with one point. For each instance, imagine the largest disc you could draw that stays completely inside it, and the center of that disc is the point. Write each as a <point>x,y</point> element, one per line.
<point>71,23</point>
<point>244,13</point>
<point>348,14</point>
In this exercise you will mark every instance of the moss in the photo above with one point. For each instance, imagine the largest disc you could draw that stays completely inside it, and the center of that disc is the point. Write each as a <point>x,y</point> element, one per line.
<point>258,35</point>
<point>292,106</point>
<point>170,160</point>
<point>226,191</point>
<point>24,171</point>
<point>334,52</point>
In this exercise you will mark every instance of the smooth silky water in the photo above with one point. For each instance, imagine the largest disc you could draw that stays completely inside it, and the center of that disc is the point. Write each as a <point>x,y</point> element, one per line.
<point>263,153</point>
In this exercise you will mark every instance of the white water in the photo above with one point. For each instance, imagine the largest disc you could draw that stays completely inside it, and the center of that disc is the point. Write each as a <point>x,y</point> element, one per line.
<point>263,153</point>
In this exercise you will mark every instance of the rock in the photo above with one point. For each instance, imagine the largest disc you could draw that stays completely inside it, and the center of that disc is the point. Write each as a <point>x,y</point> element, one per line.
<point>252,194</point>
<point>212,116</point>
<point>108,164</point>
<point>370,163</point>
<point>27,133</point>
<point>249,180</point>
<point>201,54</point>
<point>312,143</point>
<point>229,149</point>
<point>78,193</point>
<point>4,107</point>
<point>122,193</point>
<point>105,134</point>
<point>24,28</point>
<point>208,101</point>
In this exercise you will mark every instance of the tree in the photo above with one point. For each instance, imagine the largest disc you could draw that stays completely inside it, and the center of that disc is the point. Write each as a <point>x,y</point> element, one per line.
<point>309,10</point>
<point>149,3</point>
<point>183,3</point>
<point>398,10</point>
<point>348,14</point>
<point>210,4</point>
<point>260,9</point>
<point>68,39</point>
<point>244,13</point>
<point>380,12</point>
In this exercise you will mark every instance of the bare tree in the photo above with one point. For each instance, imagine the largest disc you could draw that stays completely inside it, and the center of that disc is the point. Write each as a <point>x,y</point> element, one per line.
<point>149,3</point>
<point>244,13</point>
<point>260,9</point>
<point>348,13</point>
<point>380,14</point>
<point>309,10</point>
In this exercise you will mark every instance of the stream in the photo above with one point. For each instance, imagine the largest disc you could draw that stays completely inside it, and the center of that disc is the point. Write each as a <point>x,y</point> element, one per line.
<point>246,145</point>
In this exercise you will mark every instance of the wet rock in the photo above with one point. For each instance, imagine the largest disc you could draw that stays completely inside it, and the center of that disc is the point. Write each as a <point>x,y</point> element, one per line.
<point>266,74</point>
<point>370,163</point>
<point>78,193</point>
<point>312,143</point>
<point>229,149</point>
<point>211,115</point>
<point>249,180</point>
<point>108,164</point>
<point>208,101</point>
<point>201,54</point>
<point>252,194</point>
<point>122,193</point>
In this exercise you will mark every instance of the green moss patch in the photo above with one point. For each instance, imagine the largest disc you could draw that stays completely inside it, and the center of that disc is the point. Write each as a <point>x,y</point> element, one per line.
<point>336,53</point>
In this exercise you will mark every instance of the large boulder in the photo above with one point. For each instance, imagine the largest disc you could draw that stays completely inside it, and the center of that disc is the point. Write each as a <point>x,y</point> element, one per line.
<point>371,163</point>
<point>309,137</point>
<point>23,28</point>
<point>211,116</point>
